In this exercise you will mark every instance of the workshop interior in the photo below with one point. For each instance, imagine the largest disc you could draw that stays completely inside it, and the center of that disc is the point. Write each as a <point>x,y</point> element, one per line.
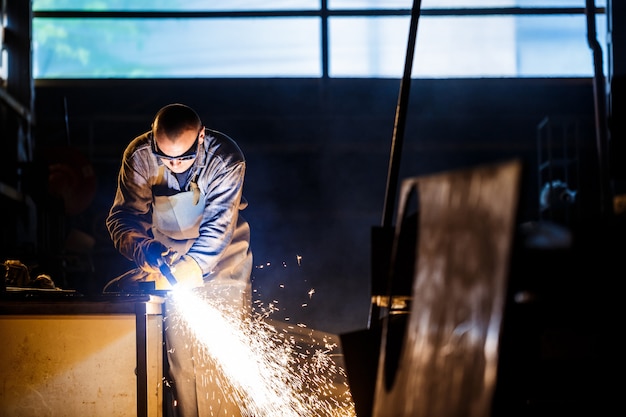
<point>454,244</point>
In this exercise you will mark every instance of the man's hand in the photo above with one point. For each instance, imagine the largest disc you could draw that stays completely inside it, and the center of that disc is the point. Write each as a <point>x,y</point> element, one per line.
<point>187,272</point>
<point>151,254</point>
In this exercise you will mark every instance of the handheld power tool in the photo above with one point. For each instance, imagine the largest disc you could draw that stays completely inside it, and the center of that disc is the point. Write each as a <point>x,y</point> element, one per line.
<point>167,273</point>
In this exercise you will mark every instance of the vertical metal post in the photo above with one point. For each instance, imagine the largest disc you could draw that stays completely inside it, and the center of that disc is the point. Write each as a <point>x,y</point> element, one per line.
<point>400,120</point>
<point>19,89</point>
<point>599,89</point>
<point>141,317</point>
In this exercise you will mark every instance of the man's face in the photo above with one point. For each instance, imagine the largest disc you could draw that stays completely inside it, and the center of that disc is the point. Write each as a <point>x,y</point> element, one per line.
<point>179,155</point>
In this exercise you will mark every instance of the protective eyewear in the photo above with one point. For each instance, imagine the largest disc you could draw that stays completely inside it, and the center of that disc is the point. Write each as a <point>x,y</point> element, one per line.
<point>189,154</point>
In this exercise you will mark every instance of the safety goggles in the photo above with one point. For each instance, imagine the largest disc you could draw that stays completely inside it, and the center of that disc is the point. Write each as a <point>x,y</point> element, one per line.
<point>189,154</point>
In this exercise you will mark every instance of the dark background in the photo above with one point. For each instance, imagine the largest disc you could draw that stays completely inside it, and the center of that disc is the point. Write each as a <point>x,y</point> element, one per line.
<point>318,153</point>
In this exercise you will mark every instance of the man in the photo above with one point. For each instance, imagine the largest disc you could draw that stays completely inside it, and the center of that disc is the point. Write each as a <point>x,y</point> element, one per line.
<point>176,208</point>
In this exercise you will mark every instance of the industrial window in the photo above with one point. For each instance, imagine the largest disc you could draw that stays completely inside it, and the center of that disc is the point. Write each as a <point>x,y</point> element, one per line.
<point>312,38</point>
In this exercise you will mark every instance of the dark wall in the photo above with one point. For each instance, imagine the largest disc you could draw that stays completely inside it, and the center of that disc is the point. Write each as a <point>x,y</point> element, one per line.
<point>318,153</point>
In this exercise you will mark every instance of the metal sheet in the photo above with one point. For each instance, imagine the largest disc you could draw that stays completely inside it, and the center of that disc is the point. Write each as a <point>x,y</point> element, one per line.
<point>445,361</point>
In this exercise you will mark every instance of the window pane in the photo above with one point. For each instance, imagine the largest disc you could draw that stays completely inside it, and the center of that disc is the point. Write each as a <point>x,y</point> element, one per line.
<point>444,4</point>
<point>448,47</point>
<point>174,5</point>
<point>162,48</point>
<point>370,4</point>
<point>363,47</point>
<point>558,3</point>
<point>555,46</point>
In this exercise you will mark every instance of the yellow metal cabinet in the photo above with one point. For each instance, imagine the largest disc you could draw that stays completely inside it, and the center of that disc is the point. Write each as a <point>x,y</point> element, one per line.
<point>81,358</point>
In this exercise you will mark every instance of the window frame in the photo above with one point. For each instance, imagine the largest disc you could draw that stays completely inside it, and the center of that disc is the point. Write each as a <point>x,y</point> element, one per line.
<point>324,13</point>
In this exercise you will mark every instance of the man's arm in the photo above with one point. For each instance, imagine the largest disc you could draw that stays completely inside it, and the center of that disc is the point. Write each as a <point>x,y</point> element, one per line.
<point>129,218</point>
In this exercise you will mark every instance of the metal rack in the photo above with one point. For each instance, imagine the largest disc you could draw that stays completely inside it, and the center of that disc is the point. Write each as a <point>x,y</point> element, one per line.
<point>558,165</point>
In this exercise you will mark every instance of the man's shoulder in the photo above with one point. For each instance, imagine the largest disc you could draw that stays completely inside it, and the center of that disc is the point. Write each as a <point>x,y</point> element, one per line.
<point>221,144</point>
<point>138,144</point>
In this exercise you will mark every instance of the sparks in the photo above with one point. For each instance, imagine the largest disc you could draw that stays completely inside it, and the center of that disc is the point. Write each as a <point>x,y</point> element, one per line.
<point>272,372</point>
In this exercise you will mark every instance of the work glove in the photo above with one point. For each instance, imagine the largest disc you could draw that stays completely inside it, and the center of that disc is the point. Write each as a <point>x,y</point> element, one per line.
<point>150,254</point>
<point>187,272</point>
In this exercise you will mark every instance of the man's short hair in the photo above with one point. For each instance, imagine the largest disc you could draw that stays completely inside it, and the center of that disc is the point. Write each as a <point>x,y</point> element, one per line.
<point>174,119</point>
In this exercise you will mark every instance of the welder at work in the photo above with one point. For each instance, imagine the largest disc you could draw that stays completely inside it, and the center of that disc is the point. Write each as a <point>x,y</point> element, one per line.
<point>176,214</point>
